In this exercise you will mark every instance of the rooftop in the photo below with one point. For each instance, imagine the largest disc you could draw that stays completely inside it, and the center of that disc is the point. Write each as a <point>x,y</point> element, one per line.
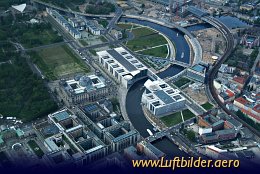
<point>199,68</point>
<point>81,84</point>
<point>240,80</point>
<point>63,115</point>
<point>164,97</point>
<point>130,67</point>
<point>241,100</point>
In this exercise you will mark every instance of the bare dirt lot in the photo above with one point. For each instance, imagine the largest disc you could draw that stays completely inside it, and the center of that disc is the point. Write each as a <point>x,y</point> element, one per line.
<point>212,43</point>
<point>197,93</point>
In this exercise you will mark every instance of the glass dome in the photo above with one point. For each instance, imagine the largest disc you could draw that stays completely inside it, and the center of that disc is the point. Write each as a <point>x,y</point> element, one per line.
<point>85,81</point>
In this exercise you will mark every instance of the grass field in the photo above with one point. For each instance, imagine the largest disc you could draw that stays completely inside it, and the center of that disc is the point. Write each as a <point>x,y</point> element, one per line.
<point>92,51</point>
<point>35,147</point>
<point>83,42</point>
<point>58,61</point>
<point>175,118</point>
<point>141,32</point>
<point>125,26</point>
<point>207,106</point>
<point>146,42</point>
<point>161,51</point>
<point>172,119</point>
<point>187,114</point>
<point>144,38</point>
<point>182,81</point>
<point>32,39</point>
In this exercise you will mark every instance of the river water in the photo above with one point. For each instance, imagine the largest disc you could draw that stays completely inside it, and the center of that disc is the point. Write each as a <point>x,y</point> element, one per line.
<point>133,99</point>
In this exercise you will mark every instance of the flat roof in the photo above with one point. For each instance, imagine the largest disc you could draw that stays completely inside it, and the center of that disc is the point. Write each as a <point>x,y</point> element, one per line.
<point>198,68</point>
<point>62,115</point>
<point>130,67</point>
<point>164,97</point>
<point>121,137</point>
<point>90,107</point>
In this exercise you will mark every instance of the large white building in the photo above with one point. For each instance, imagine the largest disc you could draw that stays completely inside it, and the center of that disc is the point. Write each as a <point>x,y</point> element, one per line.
<point>86,88</point>
<point>122,65</point>
<point>161,99</point>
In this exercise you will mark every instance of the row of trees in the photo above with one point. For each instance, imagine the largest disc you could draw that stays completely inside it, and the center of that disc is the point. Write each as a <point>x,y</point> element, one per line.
<point>249,121</point>
<point>100,7</point>
<point>63,3</point>
<point>28,34</point>
<point>238,59</point>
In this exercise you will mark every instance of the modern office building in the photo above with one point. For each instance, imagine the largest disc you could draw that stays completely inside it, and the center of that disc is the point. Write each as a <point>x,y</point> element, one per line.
<point>63,22</point>
<point>94,28</point>
<point>78,23</point>
<point>197,72</point>
<point>85,88</point>
<point>161,99</point>
<point>122,65</point>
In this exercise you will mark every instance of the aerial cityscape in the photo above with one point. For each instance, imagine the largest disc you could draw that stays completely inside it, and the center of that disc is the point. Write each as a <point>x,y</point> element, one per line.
<point>129,84</point>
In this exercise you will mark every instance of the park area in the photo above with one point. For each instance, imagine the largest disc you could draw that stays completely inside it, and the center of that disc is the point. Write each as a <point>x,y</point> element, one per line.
<point>207,106</point>
<point>22,93</point>
<point>58,61</point>
<point>146,41</point>
<point>176,118</point>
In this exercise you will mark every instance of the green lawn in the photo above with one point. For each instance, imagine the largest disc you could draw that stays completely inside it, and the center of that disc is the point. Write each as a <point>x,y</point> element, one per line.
<point>182,81</point>
<point>187,114</point>
<point>58,61</point>
<point>146,42</point>
<point>172,119</point>
<point>145,38</point>
<point>35,147</point>
<point>103,22</point>
<point>34,38</point>
<point>83,42</point>
<point>161,51</point>
<point>207,106</point>
<point>103,39</point>
<point>125,26</point>
<point>141,32</point>
<point>93,52</point>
